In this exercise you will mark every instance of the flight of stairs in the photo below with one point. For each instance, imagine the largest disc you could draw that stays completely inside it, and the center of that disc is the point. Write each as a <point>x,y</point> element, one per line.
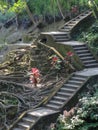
<point>26,122</point>
<point>61,36</point>
<point>71,87</point>
<point>66,92</point>
<point>54,105</point>
<point>67,27</point>
<point>85,56</point>
<point>63,33</point>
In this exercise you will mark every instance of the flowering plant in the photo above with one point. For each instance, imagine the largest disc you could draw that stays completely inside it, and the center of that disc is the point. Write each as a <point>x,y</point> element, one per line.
<point>68,56</point>
<point>35,72</point>
<point>34,77</point>
<point>55,61</point>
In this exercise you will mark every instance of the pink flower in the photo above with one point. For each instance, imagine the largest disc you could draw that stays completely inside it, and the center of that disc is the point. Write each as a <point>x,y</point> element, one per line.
<point>55,59</point>
<point>69,54</point>
<point>35,72</point>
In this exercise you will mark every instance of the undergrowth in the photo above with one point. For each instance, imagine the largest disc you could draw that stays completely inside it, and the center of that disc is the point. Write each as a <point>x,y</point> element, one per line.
<point>90,37</point>
<point>86,115</point>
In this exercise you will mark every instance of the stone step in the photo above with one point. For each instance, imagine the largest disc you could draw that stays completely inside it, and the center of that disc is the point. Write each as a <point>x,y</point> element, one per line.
<point>56,32</point>
<point>74,87</point>
<point>28,119</point>
<point>82,16</point>
<point>60,93</point>
<point>84,54</point>
<point>65,30</point>
<point>67,90</point>
<point>78,78</point>
<point>80,48</point>
<point>53,106</point>
<point>61,40</point>
<point>78,18</point>
<point>91,65</point>
<point>23,125</point>
<point>60,98</point>
<point>56,102</point>
<point>59,36</point>
<point>76,46</point>
<point>71,85</point>
<point>89,61</point>
<point>82,51</point>
<point>71,23</point>
<point>75,20</point>
<point>75,82</point>
<point>67,27</point>
<point>67,37</point>
<point>31,115</point>
<point>87,58</point>
<point>26,122</point>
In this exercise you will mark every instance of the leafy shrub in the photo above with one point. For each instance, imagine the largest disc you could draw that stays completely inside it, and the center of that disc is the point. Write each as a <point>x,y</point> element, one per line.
<point>86,117</point>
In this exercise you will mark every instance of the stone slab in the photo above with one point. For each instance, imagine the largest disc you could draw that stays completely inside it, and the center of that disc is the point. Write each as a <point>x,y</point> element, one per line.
<point>42,111</point>
<point>57,32</point>
<point>88,72</point>
<point>72,43</point>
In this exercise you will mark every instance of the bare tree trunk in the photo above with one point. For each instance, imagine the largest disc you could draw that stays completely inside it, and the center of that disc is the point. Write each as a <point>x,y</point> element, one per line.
<point>60,9</point>
<point>17,24</point>
<point>30,14</point>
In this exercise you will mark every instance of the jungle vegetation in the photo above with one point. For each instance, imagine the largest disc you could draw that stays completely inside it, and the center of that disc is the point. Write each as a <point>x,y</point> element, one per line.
<point>34,11</point>
<point>39,9</point>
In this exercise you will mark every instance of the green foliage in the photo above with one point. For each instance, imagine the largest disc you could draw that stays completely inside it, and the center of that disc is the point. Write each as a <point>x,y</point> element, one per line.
<point>3,6</point>
<point>90,36</point>
<point>43,7</point>
<point>55,62</point>
<point>93,4</point>
<point>86,115</point>
<point>18,6</point>
<point>39,7</point>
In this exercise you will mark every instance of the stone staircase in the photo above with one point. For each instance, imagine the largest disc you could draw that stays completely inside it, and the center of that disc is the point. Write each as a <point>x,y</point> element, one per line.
<point>67,27</point>
<point>61,36</point>
<point>55,36</point>
<point>64,32</point>
<point>55,104</point>
<point>31,118</point>
<point>71,87</point>
<point>66,92</point>
<point>85,56</point>
<point>26,122</point>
